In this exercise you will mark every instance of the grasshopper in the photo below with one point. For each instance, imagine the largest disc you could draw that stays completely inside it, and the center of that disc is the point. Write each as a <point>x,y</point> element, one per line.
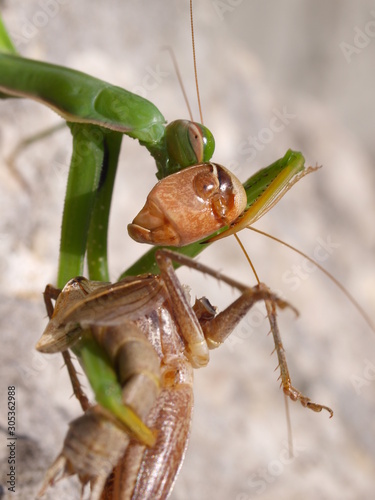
<point>147,331</point>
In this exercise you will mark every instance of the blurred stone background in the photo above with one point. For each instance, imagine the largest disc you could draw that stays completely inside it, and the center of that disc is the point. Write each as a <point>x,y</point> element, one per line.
<point>312,60</point>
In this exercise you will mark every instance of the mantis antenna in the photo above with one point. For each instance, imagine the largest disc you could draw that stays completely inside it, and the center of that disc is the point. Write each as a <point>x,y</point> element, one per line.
<point>178,74</point>
<point>195,61</point>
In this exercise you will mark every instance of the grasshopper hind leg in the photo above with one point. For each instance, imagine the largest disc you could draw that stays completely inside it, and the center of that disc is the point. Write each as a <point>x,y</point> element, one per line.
<point>51,293</point>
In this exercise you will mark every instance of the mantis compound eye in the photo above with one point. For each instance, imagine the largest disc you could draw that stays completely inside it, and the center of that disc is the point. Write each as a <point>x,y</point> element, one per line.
<point>189,143</point>
<point>188,206</point>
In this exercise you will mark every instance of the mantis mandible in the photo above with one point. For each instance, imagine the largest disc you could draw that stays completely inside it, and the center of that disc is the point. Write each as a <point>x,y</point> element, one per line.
<point>77,273</point>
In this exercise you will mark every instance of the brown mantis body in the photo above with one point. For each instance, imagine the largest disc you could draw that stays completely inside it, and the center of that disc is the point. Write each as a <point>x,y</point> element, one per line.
<point>153,338</point>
